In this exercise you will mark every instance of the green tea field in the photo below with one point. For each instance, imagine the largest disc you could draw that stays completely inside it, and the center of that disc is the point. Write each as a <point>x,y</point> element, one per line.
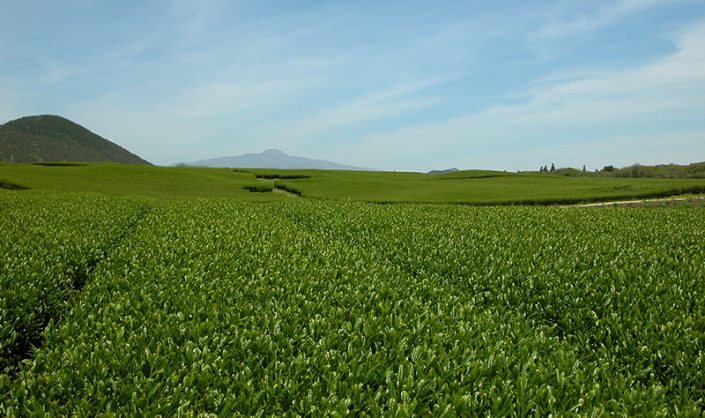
<point>177,292</point>
<point>352,209</point>
<point>472,187</point>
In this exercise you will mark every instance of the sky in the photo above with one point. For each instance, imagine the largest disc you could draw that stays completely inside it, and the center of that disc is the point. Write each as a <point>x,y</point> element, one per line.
<point>390,85</point>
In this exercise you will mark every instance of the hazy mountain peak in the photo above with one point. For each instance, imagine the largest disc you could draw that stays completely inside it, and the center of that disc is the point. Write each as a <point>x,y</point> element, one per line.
<point>273,158</point>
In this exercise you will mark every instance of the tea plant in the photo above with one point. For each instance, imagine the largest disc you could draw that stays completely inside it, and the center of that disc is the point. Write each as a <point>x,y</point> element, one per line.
<point>49,243</point>
<point>221,307</point>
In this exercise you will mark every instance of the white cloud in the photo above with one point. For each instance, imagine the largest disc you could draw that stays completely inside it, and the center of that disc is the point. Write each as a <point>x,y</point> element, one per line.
<point>587,110</point>
<point>364,85</point>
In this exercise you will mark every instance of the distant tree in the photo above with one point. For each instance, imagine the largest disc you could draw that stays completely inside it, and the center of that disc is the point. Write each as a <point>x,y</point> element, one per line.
<point>584,168</point>
<point>608,168</point>
<point>553,168</point>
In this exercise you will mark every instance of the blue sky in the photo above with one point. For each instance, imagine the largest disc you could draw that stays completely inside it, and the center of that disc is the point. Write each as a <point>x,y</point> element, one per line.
<point>393,85</point>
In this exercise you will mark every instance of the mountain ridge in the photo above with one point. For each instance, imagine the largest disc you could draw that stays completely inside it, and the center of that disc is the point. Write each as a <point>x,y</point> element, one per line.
<point>272,158</point>
<point>51,138</point>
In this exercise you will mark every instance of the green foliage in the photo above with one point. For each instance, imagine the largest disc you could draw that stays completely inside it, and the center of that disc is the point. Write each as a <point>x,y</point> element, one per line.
<point>259,187</point>
<point>696,170</point>
<point>482,187</point>
<point>270,176</point>
<point>4,184</point>
<point>136,180</point>
<point>661,171</point>
<point>570,172</point>
<point>475,187</point>
<point>287,188</point>
<point>49,245</point>
<point>60,164</point>
<point>215,306</point>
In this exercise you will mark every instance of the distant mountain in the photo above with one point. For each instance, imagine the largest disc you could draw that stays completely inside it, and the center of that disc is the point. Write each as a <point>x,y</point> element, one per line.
<point>450,170</point>
<point>49,138</point>
<point>273,158</point>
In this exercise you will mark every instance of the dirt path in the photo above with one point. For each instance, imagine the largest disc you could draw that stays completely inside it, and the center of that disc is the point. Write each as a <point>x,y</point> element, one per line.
<point>284,192</point>
<point>667,201</point>
<point>276,190</point>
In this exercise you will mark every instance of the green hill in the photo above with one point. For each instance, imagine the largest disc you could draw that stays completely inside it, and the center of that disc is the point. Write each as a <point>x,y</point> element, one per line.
<point>48,138</point>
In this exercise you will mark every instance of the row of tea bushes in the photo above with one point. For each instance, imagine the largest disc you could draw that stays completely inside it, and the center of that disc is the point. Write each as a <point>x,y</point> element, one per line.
<point>330,308</point>
<point>624,287</point>
<point>48,244</point>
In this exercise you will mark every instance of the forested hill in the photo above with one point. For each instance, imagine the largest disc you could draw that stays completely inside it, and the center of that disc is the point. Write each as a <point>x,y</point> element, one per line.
<point>49,138</point>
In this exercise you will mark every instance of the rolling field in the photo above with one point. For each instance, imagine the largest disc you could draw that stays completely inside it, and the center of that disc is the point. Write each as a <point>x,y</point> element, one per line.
<point>305,307</point>
<point>476,187</point>
<point>464,187</point>
<point>134,180</point>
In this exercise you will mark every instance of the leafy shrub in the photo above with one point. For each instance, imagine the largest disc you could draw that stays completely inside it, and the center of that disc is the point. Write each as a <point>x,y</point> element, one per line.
<point>59,164</point>
<point>259,188</point>
<point>4,184</point>
<point>282,176</point>
<point>287,188</point>
<point>49,245</point>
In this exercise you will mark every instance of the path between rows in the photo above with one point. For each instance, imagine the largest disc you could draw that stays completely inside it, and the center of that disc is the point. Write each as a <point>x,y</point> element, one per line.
<point>284,192</point>
<point>699,200</point>
<point>276,190</point>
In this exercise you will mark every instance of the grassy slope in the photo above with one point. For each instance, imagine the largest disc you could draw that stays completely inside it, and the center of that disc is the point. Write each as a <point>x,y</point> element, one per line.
<point>478,187</point>
<point>474,187</point>
<point>135,180</point>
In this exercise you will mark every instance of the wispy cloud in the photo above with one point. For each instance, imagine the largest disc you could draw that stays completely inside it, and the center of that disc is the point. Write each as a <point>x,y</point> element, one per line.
<point>607,14</point>
<point>276,84</point>
<point>593,109</point>
<point>376,105</point>
<point>387,85</point>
